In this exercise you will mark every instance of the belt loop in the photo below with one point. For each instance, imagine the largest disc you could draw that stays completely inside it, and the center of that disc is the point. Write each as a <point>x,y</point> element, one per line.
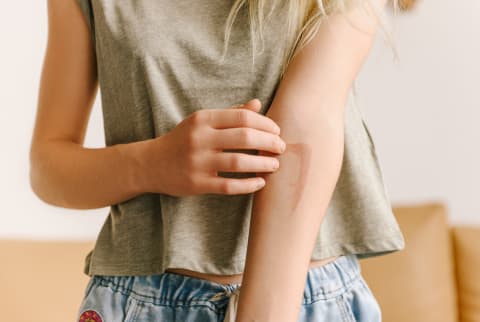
<point>231,312</point>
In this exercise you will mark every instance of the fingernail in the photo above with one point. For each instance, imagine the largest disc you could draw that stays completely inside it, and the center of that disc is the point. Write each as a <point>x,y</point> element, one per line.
<point>283,146</point>
<point>276,163</point>
<point>260,183</point>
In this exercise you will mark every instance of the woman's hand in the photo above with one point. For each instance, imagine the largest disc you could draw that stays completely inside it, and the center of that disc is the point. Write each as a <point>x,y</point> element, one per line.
<point>185,161</point>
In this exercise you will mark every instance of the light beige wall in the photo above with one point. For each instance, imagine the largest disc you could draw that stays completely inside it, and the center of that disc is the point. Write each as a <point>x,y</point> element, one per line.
<point>424,111</point>
<point>424,114</point>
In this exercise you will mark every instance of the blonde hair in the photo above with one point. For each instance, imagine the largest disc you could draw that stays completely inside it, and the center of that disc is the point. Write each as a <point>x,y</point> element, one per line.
<point>303,19</point>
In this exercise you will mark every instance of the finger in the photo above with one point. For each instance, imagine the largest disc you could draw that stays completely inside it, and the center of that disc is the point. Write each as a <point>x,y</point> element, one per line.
<point>242,162</point>
<point>247,138</point>
<point>241,117</point>
<point>253,104</point>
<point>233,186</point>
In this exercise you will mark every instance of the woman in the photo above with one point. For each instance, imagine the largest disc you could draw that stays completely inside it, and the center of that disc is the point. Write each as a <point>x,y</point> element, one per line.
<point>186,165</point>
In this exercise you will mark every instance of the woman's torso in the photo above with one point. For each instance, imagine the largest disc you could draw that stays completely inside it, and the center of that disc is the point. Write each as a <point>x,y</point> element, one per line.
<point>154,70</point>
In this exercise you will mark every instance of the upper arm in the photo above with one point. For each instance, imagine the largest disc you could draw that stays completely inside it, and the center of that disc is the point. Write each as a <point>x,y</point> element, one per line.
<point>68,83</point>
<point>319,76</point>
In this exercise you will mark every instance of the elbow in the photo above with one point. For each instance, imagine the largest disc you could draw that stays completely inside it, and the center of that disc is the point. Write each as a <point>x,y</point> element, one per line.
<point>38,190</point>
<point>37,178</point>
<point>46,192</point>
<point>33,173</point>
<point>40,179</point>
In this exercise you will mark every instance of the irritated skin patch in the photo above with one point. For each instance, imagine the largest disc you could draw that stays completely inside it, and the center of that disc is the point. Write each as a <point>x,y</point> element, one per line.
<point>303,153</point>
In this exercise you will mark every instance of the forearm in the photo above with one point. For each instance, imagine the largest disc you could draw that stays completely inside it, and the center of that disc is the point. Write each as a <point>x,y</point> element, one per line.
<point>66,174</point>
<point>287,214</point>
<point>309,107</point>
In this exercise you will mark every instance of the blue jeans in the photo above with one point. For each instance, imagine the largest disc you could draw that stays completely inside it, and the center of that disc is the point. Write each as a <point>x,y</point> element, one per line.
<point>333,292</point>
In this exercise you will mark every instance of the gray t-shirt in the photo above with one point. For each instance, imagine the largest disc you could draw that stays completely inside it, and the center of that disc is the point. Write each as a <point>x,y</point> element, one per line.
<point>158,61</point>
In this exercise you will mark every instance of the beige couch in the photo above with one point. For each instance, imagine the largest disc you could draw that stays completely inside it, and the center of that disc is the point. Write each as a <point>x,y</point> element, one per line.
<point>435,279</point>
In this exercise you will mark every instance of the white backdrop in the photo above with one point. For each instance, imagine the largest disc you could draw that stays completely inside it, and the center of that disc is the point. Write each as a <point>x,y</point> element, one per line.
<point>423,112</point>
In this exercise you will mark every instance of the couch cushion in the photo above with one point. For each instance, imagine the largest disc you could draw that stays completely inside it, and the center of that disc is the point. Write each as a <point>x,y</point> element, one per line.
<point>467,254</point>
<point>41,281</point>
<point>416,284</point>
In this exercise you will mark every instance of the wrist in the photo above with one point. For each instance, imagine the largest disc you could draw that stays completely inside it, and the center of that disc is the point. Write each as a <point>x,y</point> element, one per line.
<point>134,157</point>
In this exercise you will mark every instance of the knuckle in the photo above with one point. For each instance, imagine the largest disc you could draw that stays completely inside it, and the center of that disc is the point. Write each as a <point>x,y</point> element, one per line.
<point>236,161</point>
<point>189,138</point>
<point>193,181</point>
<point>226,187</point>
<point>192,139</point>
<point>243,116</point>
<point>198,117</point>
<point>246,136</point>
<point>199,184</point>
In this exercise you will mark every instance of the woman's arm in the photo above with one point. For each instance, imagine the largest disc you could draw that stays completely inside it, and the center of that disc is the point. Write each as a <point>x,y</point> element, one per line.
<point>288,211</point>
<point>66,174</point>
<point>62,171</point>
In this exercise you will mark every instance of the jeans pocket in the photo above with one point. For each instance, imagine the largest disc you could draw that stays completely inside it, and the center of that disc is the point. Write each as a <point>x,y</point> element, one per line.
<point>105,302</point>
<point>376,309</point>
<point>367,289</point>
<point>362,304</point>
<point>132,308</point>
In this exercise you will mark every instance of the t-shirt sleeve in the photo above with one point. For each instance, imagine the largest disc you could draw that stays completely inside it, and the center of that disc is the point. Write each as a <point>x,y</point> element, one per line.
<point>87,10</point>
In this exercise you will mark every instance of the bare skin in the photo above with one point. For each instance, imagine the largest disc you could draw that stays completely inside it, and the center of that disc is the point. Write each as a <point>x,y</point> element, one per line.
<point>303,151</point>
<point>236,279</point>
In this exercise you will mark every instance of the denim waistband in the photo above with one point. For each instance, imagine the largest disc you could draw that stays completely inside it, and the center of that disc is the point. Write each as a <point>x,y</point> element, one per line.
<point>331,279</point>
<point>169,288</point>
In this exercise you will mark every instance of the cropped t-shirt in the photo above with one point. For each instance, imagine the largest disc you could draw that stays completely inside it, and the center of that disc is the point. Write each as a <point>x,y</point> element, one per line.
<point>157,62</point>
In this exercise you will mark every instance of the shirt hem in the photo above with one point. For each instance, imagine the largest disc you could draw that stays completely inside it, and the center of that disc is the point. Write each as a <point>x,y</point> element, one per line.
<point>365,248</point>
